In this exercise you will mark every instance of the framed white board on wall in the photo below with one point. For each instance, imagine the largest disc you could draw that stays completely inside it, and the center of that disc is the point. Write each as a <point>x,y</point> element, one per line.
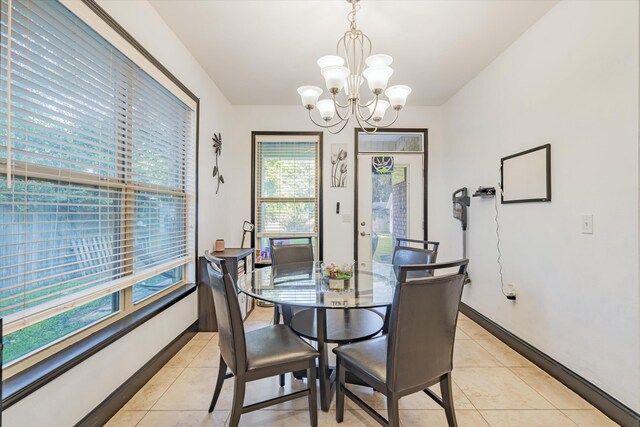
<point>526,176</point>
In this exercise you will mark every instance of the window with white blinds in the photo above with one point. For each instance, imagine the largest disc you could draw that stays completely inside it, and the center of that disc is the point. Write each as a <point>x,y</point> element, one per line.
<point>96,167</point>
<point>287,188</point>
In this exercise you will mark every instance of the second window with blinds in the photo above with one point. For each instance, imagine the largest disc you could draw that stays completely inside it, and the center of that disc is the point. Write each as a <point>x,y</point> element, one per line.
<point>286,190</point>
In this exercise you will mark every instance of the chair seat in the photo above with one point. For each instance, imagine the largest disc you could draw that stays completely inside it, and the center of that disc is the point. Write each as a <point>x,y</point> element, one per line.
<point>275,345</point>
<point>369,357</point>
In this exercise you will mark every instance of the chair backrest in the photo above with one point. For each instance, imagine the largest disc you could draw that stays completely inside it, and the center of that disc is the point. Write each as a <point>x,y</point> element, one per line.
<point>422,326</point>
<point>288,254</point>
<point>230,327</point>
<point>405,255</point>
<point>426,244</point>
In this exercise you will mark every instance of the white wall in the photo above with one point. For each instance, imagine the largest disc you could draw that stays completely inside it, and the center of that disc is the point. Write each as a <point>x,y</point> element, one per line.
<point>572,81</point>
<point>70,397</point>
<point>337,235</point>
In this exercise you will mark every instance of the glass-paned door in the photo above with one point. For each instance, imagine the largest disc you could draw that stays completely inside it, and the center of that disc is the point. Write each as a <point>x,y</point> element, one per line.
<point>390,203</point>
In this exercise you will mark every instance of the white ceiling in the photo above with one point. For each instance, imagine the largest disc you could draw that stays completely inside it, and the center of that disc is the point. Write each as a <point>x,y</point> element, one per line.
<point>259,51</point>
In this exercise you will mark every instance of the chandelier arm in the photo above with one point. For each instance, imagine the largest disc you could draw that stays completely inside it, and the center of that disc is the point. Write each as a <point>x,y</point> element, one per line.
<point>335,101</point>
<point>393,121</point>
<point>325,126</point>
<point>344,124</point>
<point>345,46</point>
<point>369,103</point>
<point>358,59</point>
<point>364,128</point>
<point>347,116</point>
<point>379,126</point>
<point>372,111</point>
<point>363,38</point>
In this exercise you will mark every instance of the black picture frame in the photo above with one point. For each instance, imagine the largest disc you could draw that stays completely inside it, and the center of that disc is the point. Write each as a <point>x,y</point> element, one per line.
<point>547,197</point>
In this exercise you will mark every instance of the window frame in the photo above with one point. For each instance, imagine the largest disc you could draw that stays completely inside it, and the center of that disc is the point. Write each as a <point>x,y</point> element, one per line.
<point>254,172</point>
<point>99,20</point>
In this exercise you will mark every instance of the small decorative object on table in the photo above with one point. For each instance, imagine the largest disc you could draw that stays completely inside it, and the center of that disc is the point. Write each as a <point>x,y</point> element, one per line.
<point>219,245</point>
<point>337,275</point>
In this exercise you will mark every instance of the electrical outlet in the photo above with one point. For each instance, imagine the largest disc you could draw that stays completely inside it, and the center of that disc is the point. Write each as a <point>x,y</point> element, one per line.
<point>587,224</point>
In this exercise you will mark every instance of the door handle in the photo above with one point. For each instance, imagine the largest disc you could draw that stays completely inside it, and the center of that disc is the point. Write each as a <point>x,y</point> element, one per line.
<point>362,233</point>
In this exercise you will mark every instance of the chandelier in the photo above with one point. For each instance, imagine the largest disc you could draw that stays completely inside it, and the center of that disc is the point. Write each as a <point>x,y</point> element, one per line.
<point>345,72</point>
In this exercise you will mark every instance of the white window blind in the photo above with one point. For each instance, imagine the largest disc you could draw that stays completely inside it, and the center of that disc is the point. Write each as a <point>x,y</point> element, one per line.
<point>96,167</point>
<point>287,186</point>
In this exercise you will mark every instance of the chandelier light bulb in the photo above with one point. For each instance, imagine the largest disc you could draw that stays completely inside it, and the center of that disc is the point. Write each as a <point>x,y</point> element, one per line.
<point>309,96</point>
<point>380,108</point>
<point>329,60</point>
<point>398,96</point>
<point>327,109</point>
<point>379,59</point>
<point>335,76</point>
<point>378,77</point>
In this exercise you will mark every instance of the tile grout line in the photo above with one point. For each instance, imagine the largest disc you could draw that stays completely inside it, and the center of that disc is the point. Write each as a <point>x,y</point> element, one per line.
<point>517,376</point>
<point>540,394</point>
<point>461,390</point>
<point>167,389</point>
<point>510,368</point>
<point>177,376</point>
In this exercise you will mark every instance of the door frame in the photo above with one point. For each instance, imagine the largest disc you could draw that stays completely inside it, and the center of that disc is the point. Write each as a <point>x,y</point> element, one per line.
<point>425,169</point>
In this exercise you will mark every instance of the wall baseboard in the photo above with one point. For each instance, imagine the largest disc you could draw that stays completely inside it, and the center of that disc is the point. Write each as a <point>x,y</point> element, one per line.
<point>116,400</point>
<point>613,408</point>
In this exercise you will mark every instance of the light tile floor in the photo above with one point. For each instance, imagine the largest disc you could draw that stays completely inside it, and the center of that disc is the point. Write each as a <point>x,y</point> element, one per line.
<point>493,386</point>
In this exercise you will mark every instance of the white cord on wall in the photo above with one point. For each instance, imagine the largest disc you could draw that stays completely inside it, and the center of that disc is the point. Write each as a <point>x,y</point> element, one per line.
<point>499,259</point>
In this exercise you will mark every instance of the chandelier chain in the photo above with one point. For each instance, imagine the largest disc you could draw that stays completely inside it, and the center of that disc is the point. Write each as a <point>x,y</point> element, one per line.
<point>355,7</point>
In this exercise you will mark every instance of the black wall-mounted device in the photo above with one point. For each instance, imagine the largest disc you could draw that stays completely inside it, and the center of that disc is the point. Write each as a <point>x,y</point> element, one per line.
<point>485,192</point>
<point>461,202</point>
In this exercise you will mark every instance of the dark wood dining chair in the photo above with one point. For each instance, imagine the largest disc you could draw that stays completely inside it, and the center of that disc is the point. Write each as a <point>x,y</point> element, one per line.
<point>403,254</point>
<point>418,351</point>
<point>283,255</point>
<point>270,351</point>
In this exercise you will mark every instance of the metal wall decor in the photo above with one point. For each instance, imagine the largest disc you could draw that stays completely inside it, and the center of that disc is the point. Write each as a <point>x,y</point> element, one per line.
<point>217,149</point>
<point>339,165</point>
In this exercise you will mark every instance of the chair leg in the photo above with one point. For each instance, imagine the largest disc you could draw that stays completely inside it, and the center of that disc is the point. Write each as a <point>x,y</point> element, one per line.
<point>339,392</point>
<point>222,372</point>
<point>393,410</point>
<point>447,399</point>
<point>281,380</point>
<point>276,314</point>
<point>238,401</point>
<point>387,317</point>
<point>313,394</point>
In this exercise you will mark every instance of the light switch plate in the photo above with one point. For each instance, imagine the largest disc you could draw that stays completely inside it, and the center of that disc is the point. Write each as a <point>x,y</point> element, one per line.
<point>587,224</point>
<point>347,217</point>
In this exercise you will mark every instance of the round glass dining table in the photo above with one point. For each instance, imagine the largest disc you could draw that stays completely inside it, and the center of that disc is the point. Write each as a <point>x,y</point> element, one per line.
<point>303,285</point>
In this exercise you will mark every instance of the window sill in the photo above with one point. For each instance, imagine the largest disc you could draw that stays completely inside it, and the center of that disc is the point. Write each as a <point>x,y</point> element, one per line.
<point>31,379</point>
